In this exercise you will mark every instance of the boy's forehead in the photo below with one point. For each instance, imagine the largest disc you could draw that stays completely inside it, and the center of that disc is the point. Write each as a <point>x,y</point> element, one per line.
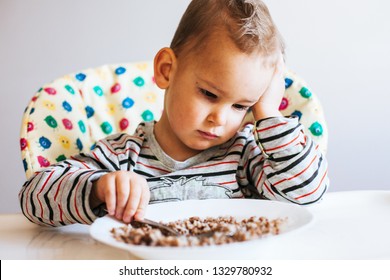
<point>216,44</point>
<point>225,68</point>
<point>224,56</point>
<point>245,81</point>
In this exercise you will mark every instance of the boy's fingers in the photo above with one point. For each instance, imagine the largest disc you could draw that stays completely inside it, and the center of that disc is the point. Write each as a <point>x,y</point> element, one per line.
<point>140,214</point>
<point>145,198</point>
<point>109,194</point>
<point>122,194</point>
<point>134,197</point>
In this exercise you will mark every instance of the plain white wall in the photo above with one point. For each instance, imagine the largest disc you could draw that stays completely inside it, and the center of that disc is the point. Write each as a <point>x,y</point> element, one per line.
<point>340,47</point>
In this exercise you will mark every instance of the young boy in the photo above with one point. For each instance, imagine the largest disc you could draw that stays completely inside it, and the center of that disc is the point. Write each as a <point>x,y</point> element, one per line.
<point>226,57</point>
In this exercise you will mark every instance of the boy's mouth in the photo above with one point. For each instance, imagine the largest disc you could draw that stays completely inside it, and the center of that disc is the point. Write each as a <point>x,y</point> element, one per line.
<point>207,135</point>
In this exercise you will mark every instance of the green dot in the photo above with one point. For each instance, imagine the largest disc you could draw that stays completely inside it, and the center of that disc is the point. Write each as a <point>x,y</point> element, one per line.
<point>147,116</point>
<point>139,81</point>
<point>316,129</point>
<point>82,126</point>
<point>51,122</point>
<point>106,127</point>
<point>69,89</point>
<point>61,158</point>
<point>305,92</point>
<point>98,90</point>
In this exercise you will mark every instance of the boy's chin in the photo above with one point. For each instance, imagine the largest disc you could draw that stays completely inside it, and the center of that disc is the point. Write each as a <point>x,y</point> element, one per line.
<point>202,146</point>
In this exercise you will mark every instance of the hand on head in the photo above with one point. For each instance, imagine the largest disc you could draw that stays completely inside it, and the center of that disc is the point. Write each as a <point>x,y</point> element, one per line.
<point>269,102</point>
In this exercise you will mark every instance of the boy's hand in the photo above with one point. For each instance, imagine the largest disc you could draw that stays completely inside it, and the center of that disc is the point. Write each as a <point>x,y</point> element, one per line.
<point>125,193</point>
<point>269,102</point>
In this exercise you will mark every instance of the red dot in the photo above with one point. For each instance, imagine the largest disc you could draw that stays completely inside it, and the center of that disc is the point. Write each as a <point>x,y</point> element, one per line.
<point>50,90</point>
<point>284,104</point>
<point>30,126</point>
<point>43,162</point>
<point>124,123</point>
<point>115,88</point>
<point>23,143</point>
<point>67,124</point>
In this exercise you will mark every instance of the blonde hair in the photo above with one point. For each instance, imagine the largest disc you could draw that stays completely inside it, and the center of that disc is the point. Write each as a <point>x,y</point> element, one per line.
<point>248,23</point>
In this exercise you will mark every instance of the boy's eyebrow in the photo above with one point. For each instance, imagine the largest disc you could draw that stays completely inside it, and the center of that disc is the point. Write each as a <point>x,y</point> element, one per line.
<point>210,84</point>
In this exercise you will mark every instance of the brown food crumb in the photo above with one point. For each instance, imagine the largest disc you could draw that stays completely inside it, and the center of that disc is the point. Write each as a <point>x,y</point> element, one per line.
<point>226,230</point>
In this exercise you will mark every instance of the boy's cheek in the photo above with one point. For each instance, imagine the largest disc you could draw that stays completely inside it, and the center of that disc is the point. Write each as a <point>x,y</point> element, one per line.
<point>235,123</point>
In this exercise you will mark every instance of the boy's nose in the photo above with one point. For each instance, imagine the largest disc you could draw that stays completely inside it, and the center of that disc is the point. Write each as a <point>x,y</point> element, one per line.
<point>218,117</point>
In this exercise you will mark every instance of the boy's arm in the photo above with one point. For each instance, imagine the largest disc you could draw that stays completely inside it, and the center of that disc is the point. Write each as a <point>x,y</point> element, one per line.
<point>289,165</point>
<point>60,194</point>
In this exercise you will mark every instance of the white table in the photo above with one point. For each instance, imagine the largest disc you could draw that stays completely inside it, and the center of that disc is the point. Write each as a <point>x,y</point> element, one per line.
<point>22,240</point>
<point>347,225</point>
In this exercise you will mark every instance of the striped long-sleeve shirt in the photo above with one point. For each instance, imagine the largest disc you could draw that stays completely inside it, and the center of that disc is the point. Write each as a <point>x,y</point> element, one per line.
<point>272,160</point>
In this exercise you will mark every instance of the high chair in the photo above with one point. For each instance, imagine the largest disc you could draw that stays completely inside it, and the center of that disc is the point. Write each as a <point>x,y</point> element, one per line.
<point>70,114</point>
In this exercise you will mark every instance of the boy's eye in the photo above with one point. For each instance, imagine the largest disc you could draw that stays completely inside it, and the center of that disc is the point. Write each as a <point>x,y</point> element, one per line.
<point>208,94</point>
<point>240,107</point>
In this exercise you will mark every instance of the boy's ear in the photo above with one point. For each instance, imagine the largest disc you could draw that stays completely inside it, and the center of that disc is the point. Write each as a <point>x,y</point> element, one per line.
<point>164,67</point>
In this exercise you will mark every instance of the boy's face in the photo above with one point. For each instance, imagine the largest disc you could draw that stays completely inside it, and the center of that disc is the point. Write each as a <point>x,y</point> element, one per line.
<point>208,95</point>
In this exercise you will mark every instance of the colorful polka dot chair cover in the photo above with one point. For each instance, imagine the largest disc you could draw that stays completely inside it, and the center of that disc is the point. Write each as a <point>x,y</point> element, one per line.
<point>70,114</point>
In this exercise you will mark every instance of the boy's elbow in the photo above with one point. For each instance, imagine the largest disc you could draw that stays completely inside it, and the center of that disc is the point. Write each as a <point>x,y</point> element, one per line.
<point>316,193</point>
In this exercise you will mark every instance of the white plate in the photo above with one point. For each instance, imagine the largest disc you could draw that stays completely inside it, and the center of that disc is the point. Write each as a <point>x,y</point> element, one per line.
<point>297,217</point>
